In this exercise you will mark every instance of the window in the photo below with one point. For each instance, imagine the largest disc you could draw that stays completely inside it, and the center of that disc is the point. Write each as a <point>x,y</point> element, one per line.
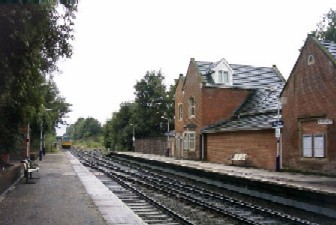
<point>180,112</point>
<point>311,60</point>
<point>189,140</point>
<point>192,107</point>
<point>223,77</point>
<point>192,141</point>
<point>313,145</point>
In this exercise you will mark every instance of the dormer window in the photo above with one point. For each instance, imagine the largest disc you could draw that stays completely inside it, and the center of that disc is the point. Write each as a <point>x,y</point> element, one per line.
<point>222,73</point>
<point>223,77</point>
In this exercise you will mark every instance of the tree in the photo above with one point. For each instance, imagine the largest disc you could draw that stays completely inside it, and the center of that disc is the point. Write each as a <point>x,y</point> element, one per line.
<point>88,128</point>
<point>33,38</point>
<point>118,130</point>
<point>326,29</point>
<point>148,115</point>
<point>170,111</point>
<point>151,103</point>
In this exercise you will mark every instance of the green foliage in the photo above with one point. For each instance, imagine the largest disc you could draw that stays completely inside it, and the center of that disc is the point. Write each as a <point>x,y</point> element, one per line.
<point>86,133</point>
<point>151,102</point>
<point>148,115</point>
<point>89,143</point>
<point>326,29</point>
<point>33,38</point>
<point>117,132</point>
<point>83,129</point>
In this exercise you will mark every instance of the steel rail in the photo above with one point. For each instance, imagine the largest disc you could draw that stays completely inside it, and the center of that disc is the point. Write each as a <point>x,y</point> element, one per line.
<point>182,191</point>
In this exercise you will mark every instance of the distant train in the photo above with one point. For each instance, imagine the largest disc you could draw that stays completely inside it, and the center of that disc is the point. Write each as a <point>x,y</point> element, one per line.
<point>66,142</point>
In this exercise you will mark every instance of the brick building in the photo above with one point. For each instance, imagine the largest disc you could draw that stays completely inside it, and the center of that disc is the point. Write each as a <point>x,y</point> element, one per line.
<point>222,109</point>
<point>309,133</point>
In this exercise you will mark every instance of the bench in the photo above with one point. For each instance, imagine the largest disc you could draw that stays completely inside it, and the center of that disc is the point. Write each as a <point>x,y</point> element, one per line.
<point>28,169</point>
<point>242,157</point>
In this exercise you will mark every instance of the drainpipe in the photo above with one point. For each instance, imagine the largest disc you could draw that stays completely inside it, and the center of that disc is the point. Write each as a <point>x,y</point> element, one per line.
<point>202,146</point>
<point>277,160</point>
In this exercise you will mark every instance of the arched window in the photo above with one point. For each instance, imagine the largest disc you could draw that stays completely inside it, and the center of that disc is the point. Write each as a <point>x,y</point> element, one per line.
<point>311,60</point>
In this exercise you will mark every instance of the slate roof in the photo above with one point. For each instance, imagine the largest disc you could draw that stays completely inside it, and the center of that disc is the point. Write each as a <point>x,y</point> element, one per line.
<point>261,100</point>
<point>251,122</point>
<point>243,75</point>
<point>260,108</point>
<point>330,46</point>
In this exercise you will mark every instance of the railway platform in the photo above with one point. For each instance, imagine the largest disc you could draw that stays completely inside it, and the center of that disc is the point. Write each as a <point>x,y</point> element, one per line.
<point>311,183</point>
<point>63,192</point>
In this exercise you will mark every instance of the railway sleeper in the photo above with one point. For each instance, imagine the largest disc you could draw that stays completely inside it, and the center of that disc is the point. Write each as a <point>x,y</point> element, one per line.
<point>151,213</point>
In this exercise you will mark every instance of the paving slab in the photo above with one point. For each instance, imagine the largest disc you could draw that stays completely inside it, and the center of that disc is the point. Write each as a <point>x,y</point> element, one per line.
<point>63,192</point>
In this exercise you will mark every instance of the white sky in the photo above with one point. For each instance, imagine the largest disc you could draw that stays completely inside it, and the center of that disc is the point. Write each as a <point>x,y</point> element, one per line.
<point>117,41</point>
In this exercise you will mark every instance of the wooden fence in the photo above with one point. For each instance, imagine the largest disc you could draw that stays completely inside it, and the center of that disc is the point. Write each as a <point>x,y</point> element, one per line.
<point>155,146</point>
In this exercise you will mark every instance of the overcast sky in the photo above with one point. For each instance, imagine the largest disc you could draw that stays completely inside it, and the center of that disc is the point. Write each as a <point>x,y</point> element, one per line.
<point>117,41</point>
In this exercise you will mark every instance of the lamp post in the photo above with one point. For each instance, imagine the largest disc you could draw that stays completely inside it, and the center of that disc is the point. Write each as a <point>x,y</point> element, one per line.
<point>133,138</point>
<point>41,140</point>
<point>28,142</point>
<point>277,125</point>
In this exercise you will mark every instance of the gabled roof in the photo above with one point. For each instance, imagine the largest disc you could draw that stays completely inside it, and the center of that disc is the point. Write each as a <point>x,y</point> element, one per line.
<point>260,108</point>
<point>243,75</point>
<point>327,47</point>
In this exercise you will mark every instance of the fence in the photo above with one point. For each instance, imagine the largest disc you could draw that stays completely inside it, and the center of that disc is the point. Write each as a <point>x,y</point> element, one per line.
<point>155,146</point>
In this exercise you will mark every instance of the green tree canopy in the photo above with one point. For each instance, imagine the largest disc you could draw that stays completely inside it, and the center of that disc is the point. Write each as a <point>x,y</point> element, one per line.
<point>33,38</point>
<point>118,131</point>
<point>88,128</point>
<point>326,28</point>
<point>151,102</point>
<point>148,115</point>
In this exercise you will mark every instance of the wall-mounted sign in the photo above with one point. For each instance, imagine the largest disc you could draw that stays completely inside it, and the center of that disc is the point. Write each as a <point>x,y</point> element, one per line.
<point>325,121</point>
<point>277,124</point>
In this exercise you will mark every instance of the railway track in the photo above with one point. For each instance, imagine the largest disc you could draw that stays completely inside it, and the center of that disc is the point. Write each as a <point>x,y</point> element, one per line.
<point>143,183</point>
<point>145,207</point>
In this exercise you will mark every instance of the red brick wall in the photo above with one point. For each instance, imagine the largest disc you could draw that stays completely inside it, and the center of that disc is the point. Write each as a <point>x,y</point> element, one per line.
<point>8,177</point>
<point>212,104</point>
<point>310,93</point>
<point>260,146</point>
<point>178,100</point>
<point>220,103</point>
<point>190,86</point>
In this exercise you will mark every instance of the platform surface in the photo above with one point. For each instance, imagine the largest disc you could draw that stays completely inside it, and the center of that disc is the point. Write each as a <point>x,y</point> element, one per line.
<point>314,183</point>
<point>63,192</point>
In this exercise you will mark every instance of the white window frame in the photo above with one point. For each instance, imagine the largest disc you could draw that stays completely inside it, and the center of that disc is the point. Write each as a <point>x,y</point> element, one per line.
<point>223,77</point>
<point>319,146</point>
<point>313,145</point>
<point>189,141</point>
<point>192,107</point>
<point>307,145</point>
